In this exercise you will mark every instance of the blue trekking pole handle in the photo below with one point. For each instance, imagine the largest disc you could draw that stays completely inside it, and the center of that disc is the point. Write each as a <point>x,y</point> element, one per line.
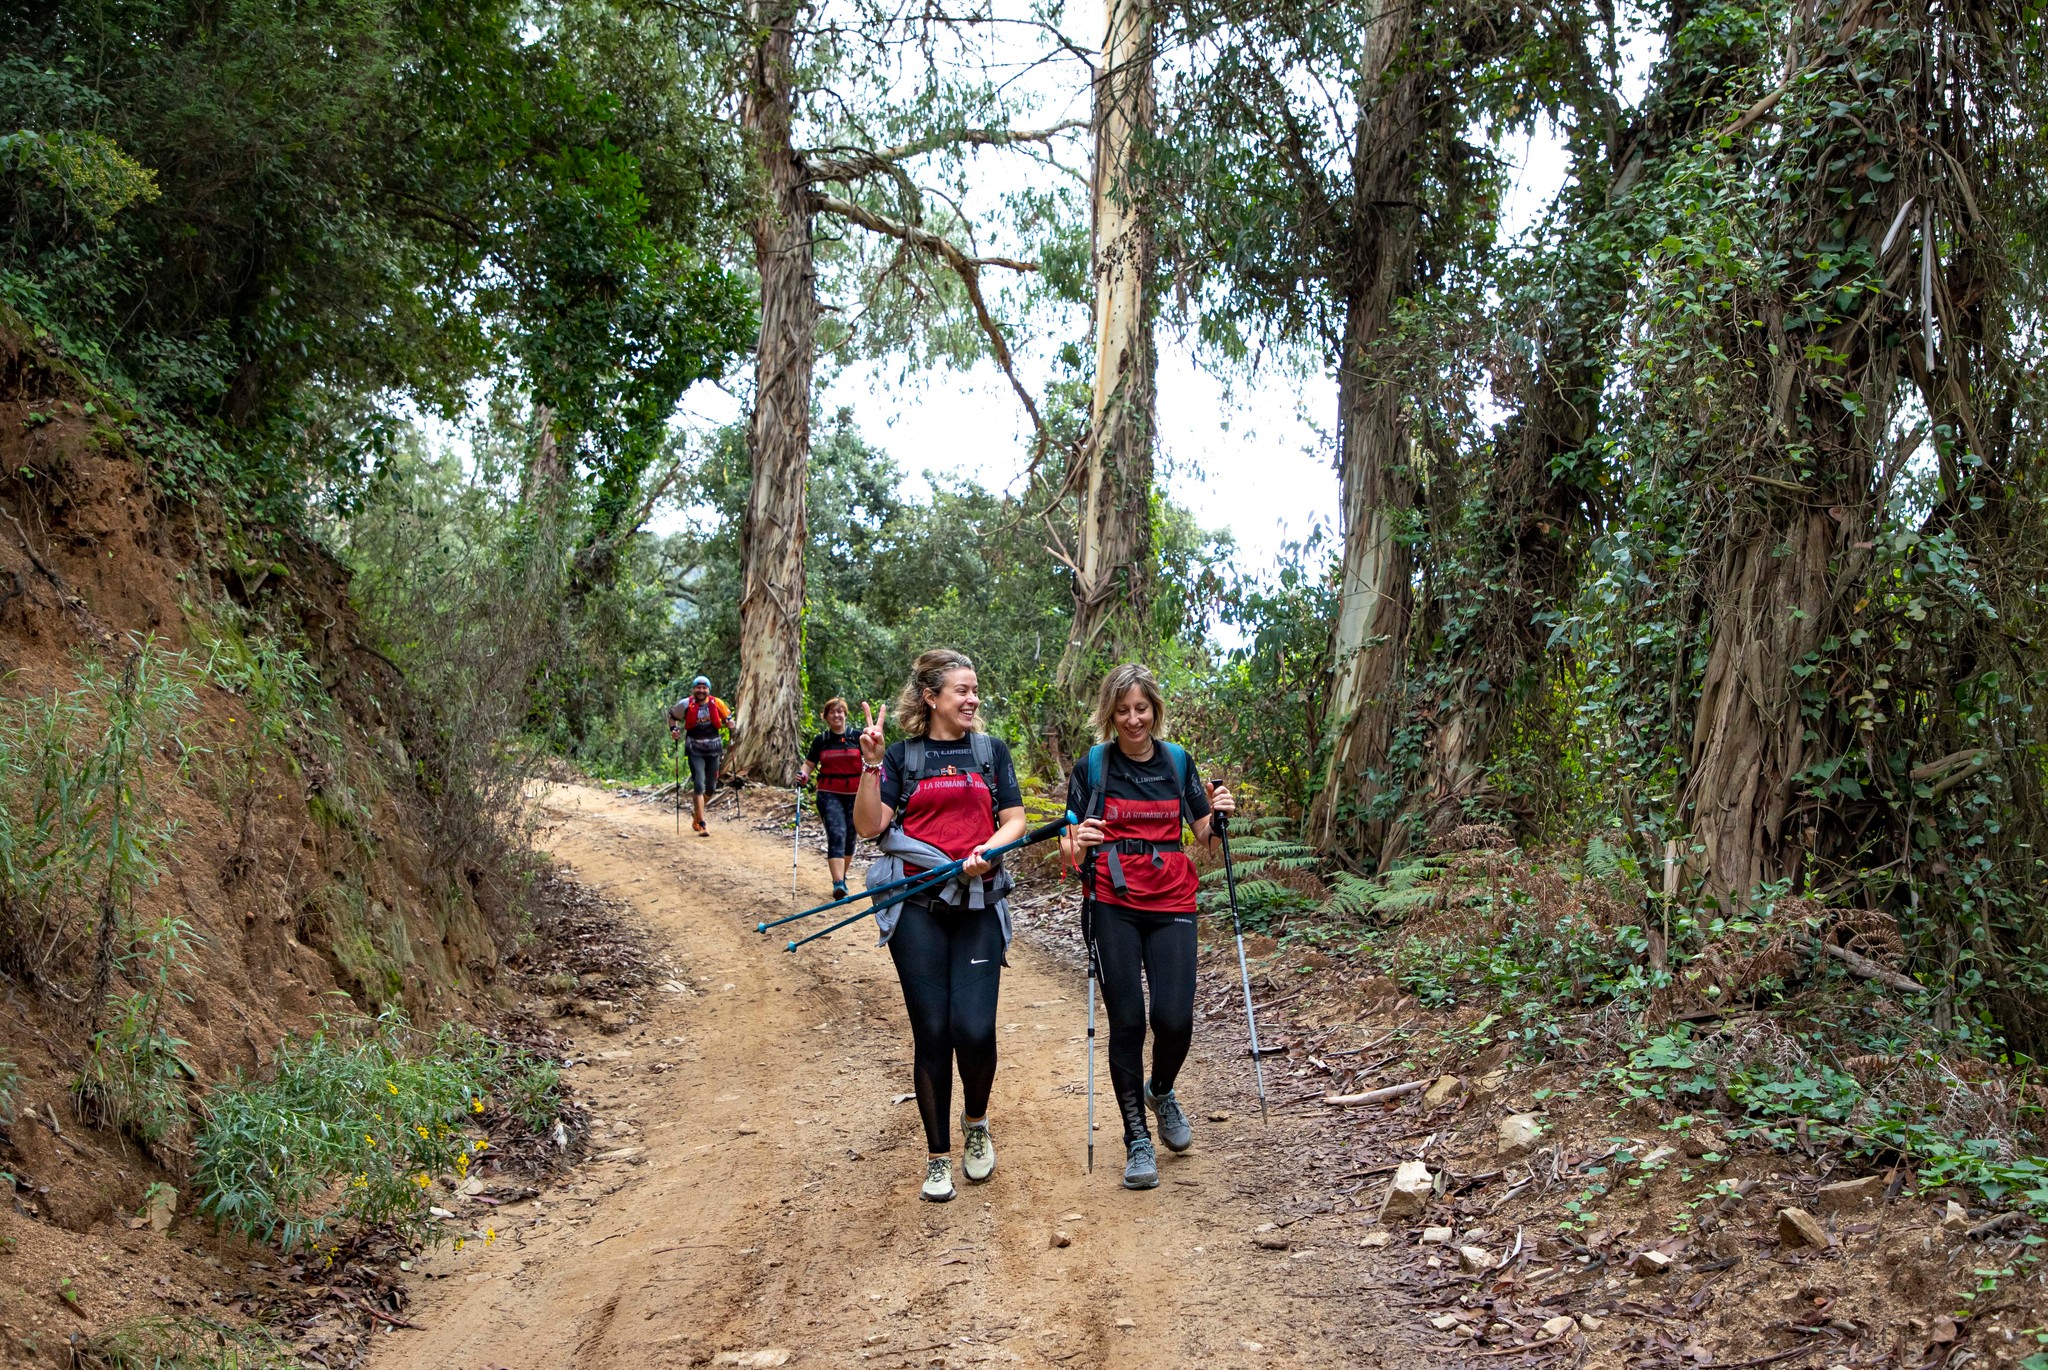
<point>932,879</point>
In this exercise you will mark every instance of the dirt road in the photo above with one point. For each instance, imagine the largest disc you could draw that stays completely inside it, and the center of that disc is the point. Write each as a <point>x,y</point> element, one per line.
<point>758,1162</point>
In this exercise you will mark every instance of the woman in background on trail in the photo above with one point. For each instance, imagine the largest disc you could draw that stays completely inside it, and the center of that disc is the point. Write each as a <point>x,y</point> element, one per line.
<point>699,721</point>
<point>835,758</point>
<point>946,792</point>
<point>1133,792</point>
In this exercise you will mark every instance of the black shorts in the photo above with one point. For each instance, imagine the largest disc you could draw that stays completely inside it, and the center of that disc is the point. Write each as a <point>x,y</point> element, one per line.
<point>704,768</point>
<point>837,811</point>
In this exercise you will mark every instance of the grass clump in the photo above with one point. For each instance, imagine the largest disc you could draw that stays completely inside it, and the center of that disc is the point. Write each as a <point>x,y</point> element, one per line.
<point>355,1124</point>
<point>170,1343</point>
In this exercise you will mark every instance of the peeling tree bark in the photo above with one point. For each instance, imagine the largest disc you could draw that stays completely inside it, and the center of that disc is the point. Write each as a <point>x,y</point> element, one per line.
<point>1376,490</point>
<point>769,694</point>
<point>1113,552</point>
<point>1790,562</point>
<point>1770,593</point>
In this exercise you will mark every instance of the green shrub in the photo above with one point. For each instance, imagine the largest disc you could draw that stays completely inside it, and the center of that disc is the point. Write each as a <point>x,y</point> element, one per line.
<point>354,1125</point>
<point>80,830</point>
<point>133,1077</point>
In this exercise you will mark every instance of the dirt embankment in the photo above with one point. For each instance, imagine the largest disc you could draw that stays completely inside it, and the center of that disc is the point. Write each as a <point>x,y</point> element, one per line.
<point>282,846</point>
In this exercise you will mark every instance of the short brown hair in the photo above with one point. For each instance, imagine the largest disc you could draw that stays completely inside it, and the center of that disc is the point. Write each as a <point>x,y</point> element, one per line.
<point>834,700</point>
<point>1125,678</point>
<point>929,672</point>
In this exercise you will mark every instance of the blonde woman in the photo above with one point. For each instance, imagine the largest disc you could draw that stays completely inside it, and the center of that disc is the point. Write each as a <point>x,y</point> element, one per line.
<point>946,792</point>
<point>1134,792</point>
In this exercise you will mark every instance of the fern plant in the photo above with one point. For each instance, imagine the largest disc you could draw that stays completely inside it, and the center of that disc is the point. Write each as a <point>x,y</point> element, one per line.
<point>1405,889</point>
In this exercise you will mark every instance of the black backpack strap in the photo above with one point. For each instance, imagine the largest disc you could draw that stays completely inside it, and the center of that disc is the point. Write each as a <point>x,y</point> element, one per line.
<point>984,749</point>
<point>913,771</point>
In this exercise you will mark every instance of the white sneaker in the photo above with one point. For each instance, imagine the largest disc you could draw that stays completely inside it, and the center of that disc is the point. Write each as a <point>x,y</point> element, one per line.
<point>938,1180</point>
<point>980,1159</point>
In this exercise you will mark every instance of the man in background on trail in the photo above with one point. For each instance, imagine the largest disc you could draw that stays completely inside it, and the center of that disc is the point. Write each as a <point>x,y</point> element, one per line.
<point>835,758</point>
<point>703,722</point>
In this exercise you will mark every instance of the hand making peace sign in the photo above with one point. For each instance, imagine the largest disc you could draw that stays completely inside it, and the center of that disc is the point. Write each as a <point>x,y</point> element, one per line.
<point>872,747</point>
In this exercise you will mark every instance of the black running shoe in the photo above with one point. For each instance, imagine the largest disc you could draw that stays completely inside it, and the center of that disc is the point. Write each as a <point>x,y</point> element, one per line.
<point>1141,1170</point>
<point>1173,1121</point>
<point>839,891</point>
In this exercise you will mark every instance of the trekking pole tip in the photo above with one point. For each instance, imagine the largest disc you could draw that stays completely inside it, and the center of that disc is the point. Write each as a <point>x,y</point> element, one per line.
<point>790,947</point>
<point>760,927</point>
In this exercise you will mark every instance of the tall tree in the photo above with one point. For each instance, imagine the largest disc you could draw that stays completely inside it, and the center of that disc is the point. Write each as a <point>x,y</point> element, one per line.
<point>863,174</point>
<point>769,700</point>
<point>1305,142</point>
<point>1514,562</point>
<point>1803,379</point>
<point>1113,542</point>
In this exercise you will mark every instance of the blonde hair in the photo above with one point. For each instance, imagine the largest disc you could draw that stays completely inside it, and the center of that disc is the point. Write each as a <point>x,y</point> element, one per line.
<point>928,673</point>
<point>1125,678</point>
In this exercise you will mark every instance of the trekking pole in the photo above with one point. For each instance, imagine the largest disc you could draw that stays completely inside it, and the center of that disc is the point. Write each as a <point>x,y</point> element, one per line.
<point>924,884</point>
<point>796,838</point>
<point>1088,939</point>
<point>949,868</point>
<point>932,880</point>
<point>679,787</point>
<point>1221,826</point>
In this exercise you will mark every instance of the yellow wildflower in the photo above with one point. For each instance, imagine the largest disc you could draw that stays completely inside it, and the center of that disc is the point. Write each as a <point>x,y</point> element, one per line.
<point>421,1180</point>
<point>476,1105</point>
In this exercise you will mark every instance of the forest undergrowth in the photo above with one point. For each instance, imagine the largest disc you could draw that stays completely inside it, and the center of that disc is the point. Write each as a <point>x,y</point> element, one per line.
<point>1593,1076</point>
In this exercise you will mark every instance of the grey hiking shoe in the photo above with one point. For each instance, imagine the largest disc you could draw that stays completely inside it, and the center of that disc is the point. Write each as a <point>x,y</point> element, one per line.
<point>1173,1122</point>
<point>1141,1170</point>
<point>938,1180</point>
<point>979,1160</point>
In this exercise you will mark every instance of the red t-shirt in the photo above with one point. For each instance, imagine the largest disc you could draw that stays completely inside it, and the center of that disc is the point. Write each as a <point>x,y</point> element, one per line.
<point>951,808</point>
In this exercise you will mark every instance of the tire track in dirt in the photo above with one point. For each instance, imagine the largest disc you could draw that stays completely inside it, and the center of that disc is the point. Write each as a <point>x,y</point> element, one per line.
<point>755,1185</point>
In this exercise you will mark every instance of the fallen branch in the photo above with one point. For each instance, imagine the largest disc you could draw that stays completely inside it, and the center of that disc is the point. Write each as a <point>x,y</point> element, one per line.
<point>1375,1096</point>
<point>1864,968</point>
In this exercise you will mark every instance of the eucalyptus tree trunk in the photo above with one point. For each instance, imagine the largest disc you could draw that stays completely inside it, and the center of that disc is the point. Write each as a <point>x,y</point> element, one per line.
<point>1113,552</point>
<point>1770,593</point>
<point>1792,567</point>
<point>1376,487</point>
<point>769,694</point>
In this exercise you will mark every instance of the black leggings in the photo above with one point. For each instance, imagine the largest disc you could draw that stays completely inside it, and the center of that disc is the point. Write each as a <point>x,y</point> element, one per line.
<point>951,964</point>
<point>1134,950</point>
<point>837,811</point>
